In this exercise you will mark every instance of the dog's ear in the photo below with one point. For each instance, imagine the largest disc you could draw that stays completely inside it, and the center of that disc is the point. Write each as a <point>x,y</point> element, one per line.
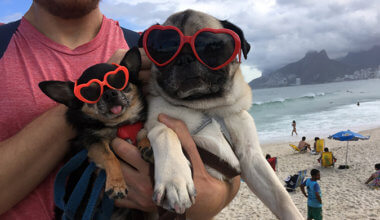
<point>132,60</point>
<point>62,92</point>
<point>140,43</point>
<point>245,46</point>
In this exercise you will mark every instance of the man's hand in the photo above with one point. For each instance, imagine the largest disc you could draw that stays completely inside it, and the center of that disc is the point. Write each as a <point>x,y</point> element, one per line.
<point>212,194</point>
<point>144,73</point>
<point>136,175</point>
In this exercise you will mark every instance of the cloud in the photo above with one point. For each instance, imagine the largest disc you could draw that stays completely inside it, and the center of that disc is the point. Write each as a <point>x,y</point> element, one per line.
<point>11,17</point>
<point>279,31</point>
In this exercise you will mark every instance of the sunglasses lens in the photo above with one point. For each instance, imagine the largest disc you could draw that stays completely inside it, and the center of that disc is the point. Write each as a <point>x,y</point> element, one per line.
<point>163,44</point>
<point>91,92</point>
<point>117,80</point>
<point>214,48</point>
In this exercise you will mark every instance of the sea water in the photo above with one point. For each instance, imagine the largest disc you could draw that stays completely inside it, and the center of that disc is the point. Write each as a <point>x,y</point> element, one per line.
<point>319,110</point>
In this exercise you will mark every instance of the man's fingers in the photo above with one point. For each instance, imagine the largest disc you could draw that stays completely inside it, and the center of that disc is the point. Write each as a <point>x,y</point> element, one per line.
<point>131,202</point>
<point>129,153</point>
<point>186,140</point>
<point>145,62</point>
<point>178,126</point>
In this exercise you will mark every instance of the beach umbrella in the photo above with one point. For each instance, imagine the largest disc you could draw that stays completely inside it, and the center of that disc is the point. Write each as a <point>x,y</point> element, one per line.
<point>348,136</point>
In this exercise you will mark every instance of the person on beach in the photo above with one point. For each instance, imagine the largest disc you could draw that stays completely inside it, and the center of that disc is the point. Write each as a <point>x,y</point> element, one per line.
<point>314,151</point>
<point>303,145</point>
<point>57,40</point>
<point>374,180</point>
<point>333,158</point>
<point>314,195</point>
<point>272,161</point>
<point>294,127</point>
<point>315,144</point>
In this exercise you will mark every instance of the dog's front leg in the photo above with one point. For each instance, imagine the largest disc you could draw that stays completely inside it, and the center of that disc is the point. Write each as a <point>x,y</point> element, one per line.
<point>256,171</point>
<point>174,188</point>
<point>104,158</point>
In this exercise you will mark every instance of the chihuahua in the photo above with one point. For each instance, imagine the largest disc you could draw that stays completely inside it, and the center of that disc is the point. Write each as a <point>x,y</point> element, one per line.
<point>105,97</point>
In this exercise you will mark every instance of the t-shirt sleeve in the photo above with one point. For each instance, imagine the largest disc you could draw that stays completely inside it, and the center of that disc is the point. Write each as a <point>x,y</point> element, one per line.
<point>316,188</point>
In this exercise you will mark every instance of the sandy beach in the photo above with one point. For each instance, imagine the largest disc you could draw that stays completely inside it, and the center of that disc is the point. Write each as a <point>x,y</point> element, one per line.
<point>344,194</point>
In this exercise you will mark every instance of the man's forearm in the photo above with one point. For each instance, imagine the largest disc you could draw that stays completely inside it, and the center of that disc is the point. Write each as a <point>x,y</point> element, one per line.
<point>30,155</point>
<point>211,203</point>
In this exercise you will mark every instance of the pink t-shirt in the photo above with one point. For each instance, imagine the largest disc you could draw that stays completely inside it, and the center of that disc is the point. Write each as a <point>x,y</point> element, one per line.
<point>30,58</point>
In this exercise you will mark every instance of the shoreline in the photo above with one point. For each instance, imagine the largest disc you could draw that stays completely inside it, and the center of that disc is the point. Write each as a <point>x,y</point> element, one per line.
<point>297,138</point>
<point>344,194</point>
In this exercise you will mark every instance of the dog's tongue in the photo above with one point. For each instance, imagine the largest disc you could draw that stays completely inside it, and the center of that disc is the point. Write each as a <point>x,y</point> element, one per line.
<point>116,109</point>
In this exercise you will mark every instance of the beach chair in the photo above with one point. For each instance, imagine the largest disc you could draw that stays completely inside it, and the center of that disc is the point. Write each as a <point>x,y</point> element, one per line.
<point>327,159</point>
<point>296,148</point>
<point>320,145</point>
<point>292,182</point>
<point>273,162</point>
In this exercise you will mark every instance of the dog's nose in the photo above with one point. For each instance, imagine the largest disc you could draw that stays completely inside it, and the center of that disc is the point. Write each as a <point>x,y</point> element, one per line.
<point>109,95</point>
<point>185,59</point>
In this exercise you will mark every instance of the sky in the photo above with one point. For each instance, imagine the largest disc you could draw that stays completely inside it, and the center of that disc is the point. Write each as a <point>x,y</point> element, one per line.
<point>279,31</point>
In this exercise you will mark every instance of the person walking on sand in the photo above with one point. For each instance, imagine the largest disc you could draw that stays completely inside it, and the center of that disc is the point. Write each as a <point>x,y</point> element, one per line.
<point>294,128</point>
<point>314,195</point>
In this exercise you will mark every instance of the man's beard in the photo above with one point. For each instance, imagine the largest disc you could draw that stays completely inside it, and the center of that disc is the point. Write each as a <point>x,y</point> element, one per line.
<point>68,9</point>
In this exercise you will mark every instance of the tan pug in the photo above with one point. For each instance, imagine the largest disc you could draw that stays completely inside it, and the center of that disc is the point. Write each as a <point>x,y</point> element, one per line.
<point>196,77</point>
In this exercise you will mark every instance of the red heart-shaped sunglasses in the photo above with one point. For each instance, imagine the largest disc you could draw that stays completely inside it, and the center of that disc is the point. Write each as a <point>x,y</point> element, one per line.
<point>92,91</point>
<point>214,48</point>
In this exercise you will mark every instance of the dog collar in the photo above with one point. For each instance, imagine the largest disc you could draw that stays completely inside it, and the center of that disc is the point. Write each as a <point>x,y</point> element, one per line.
<point>129,131</point>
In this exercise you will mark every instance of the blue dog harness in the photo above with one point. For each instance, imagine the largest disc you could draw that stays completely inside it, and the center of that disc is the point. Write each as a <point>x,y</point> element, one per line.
<point>71,207</point>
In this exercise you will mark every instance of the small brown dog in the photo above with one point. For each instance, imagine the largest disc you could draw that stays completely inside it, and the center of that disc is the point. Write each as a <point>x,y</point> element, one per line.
<point>104,98</point>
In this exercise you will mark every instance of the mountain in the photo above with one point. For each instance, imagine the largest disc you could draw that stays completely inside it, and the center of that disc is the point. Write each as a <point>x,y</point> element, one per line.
<point>314,67</point>
<point>363,59</point>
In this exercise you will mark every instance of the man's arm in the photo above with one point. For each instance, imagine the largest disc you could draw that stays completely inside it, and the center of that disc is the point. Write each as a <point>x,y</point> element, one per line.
<point>212,194</point>
<point>318,197</point>
<point>28,157</point>
<point>303,189</point>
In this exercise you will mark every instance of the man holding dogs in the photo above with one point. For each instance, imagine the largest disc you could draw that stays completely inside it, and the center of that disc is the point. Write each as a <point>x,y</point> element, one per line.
<point>34,134</point>
<point>37,141</point>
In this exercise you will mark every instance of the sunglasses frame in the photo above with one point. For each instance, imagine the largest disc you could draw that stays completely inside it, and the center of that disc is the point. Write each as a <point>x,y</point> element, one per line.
<point>191,40</point>
<point>77,88</point>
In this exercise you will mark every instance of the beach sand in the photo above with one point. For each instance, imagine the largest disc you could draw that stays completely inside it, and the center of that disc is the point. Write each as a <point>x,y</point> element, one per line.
<point>344,194</point>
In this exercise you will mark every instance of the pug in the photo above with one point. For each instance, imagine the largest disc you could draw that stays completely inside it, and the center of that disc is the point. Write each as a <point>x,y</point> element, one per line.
<point>196,77</point>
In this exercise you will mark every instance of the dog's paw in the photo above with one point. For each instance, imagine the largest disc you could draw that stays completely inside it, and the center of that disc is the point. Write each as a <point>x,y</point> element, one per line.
<point>146,150</point>
<point>147,154</point>
<point>116,189</point>
<point>175,191</point>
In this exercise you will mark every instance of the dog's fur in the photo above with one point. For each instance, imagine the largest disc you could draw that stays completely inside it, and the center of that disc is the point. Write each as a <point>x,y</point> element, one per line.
<point>187,90</point>
<point>96,125</point>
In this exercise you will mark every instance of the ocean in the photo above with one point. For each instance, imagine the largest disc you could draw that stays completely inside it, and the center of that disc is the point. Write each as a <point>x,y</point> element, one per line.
<point>319,110</point>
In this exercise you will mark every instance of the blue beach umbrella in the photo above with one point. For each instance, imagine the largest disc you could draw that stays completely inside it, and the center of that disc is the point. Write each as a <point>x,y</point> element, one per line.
<point>348,136</point>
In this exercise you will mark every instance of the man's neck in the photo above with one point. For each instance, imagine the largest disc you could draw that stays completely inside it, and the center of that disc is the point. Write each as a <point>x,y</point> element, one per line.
<point>68,32</point>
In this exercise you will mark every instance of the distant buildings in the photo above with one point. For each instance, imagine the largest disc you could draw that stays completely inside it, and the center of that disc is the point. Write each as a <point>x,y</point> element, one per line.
<point>368,73</point>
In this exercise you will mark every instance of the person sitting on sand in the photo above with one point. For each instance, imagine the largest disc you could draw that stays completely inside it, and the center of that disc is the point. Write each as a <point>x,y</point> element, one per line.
<point>327,150</point>
<point>303,145</point>
<point>315,144</point>
<point>272,161</point>
<point>374,180</point>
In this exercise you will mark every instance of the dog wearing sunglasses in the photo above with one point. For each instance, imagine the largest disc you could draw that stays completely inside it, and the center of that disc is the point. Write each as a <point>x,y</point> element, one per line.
<point>105,97</point>
<point>196,76</point>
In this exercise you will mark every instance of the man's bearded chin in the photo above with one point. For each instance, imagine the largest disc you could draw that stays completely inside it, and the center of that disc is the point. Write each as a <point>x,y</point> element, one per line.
<point>68,9</point>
